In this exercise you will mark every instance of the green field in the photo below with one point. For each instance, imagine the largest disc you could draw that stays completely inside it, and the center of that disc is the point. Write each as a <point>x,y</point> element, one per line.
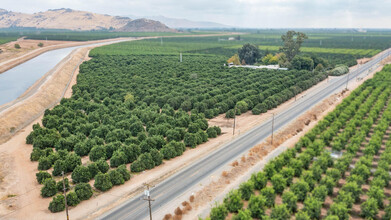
<point>328,38</point>
<point>308,183</point>
<point>85,36</point>
<point>358,52</point>
<point>6,37</point>
<point>221,46</point>
<point>66,35</point>
<point>4,40</point>
<point>337,46</point>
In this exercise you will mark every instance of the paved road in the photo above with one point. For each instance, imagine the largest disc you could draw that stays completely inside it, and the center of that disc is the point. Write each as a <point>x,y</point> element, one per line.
<point>136,208</point>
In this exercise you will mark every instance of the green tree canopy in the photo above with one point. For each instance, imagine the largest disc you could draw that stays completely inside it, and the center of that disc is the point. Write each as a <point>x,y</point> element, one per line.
<point>57,204</point>
<point>243,215</point>
<point>49,188</point>
<point>369,208</point>
<point>246,189</point>
<point>290,199</point>
<point>257,205</point>
<point>83,191</point>
<point>72,199</point>
<point>218,212</point>
<point>233,201</point>
<point>249,54</point>
<point>81,174</point>
<point>103,182</point>
<point>292,43</point>
<point>42,175</point>
<point>280,212</point>
<point>313,207</point>
<point>340,210</point>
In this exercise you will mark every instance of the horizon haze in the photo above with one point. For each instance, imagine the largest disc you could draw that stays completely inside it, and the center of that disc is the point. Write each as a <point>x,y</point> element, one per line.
<point>237,13</point>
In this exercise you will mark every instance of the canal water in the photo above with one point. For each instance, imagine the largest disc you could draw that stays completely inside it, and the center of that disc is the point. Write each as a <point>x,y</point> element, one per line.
<point>14,82</point>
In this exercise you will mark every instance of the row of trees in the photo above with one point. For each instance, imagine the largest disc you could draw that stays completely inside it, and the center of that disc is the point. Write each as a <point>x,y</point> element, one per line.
<point>361,172</point>
<point>105,179</point>
<point>317,178</point>
<point>82,191</point>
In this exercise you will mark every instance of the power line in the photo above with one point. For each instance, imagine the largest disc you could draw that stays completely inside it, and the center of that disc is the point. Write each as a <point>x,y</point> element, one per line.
<point>147,193</point>
<point>65,195</point>
<point>272,129</point>
<point>233,132</point>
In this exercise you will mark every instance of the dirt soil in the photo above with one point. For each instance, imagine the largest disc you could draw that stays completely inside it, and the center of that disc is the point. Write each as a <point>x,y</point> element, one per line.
<point>10,52</point>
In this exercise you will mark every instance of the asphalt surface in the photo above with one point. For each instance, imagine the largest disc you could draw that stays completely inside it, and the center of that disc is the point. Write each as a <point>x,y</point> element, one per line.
<point>137,209</point>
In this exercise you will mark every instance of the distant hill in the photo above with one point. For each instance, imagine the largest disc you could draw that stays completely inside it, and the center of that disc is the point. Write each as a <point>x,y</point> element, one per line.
<point>145,25</point>
<point>184,23</point>
<point>76,20</point>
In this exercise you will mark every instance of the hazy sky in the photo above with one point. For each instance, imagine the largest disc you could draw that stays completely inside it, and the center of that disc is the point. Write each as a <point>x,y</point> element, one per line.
<point>240,13</point>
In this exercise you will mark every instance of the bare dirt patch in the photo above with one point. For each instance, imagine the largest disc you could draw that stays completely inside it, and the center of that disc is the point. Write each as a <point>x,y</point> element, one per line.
<point>10,52</point>
<point>363,60</point>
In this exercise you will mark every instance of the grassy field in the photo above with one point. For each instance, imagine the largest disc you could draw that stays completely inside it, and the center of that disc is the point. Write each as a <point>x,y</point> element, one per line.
<point>6,37</point>
<point>4,40</point>
<point>328,38</point>
<point>358,52</point>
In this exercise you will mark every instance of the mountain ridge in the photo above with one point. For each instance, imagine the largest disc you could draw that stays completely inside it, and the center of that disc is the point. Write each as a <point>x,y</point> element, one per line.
<point>186,23</point>
<point>183,23</point>
<point>70,19</point>
<point>145,25</point>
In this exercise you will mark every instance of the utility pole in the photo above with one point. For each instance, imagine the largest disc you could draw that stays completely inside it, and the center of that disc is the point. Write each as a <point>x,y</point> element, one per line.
<point>347,80</point>
<point>161,41</point>
<point>180,57</point>
<point>146,192</point>
<point>65,195</point>
<point>272,129</point>
<point>233,133</point>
